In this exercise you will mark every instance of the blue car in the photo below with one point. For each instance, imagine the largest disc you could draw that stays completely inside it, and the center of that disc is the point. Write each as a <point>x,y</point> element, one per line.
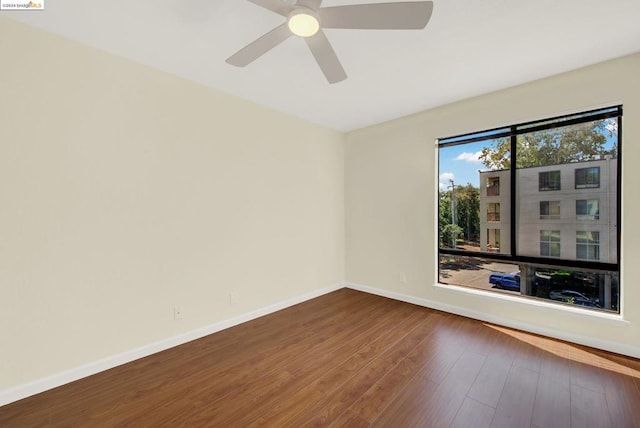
<point>570,296</point>
<point>505,281</point>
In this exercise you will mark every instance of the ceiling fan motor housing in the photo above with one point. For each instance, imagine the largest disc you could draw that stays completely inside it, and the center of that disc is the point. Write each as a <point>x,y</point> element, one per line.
<point>303,22</point>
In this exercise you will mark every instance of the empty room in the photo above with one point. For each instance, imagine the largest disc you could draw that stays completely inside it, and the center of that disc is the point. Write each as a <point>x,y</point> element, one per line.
<point>319,213</point>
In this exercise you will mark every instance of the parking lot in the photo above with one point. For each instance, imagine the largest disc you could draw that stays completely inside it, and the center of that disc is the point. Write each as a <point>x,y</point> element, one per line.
<point>472,272</point>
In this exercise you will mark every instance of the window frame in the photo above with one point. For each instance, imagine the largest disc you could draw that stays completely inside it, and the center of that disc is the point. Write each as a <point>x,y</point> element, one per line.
<point>493,215</point>
<point>493,183</point>
<point>586,216</point>
<point>550,216</point>
<point>512,132</point>
<point>586,185</point>
<point>548,186</point>
<point>587,245</point>
<point>550,241</point>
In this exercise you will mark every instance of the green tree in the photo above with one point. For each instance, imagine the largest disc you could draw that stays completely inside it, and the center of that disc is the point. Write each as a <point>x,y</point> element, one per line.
<point>444,217</point>
<point>581,142</point>
<point>467,215</point>
<point>450,234</point>
<point>468,211</point>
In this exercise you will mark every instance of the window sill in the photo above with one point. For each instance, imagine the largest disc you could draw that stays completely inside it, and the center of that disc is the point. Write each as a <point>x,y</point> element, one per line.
<point>616,319</point>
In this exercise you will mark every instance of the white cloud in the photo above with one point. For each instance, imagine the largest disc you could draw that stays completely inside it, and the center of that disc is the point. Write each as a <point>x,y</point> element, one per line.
<point>444,179</point>
<point>446,176</point>
<point>469,157</point>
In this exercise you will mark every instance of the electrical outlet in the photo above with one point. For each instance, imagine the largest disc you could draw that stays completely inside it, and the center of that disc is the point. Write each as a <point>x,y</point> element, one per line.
<point>178,312</point>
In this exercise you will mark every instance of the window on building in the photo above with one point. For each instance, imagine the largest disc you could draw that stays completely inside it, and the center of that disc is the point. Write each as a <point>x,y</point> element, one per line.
<point>587,209</point>
<point>549,180</point>
<point>588,245</point>
<point>549,210</point>
<point>588,177</point>
<point>493,239</point>
<point>550,243</point>
<point>495,224</point>
<point>493,186</point>
<point>493,212</point>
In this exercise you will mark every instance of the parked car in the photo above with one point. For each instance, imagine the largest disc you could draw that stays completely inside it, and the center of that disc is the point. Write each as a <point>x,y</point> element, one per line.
<point>505,281</point>
<point>575,297</point>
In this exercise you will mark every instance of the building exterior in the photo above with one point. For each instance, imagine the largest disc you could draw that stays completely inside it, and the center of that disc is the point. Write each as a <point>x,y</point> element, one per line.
<point>495,211</point>
<point>565,211</point>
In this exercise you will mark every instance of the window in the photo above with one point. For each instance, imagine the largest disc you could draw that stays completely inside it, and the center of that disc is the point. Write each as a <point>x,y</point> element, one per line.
<point>549,210</point>
<point>493,186</point>
<point>587,209</point>
<point>550,243</point>
<point>493,212</point>
<point>588,245</point>
<point>549,180</point>
<point>588,177</point>
<point>493,240</point>
<point>512,218</point>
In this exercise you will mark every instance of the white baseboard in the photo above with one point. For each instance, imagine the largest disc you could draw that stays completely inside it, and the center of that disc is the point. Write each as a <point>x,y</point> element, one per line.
<point>618,348</point>
<point>26,390</point>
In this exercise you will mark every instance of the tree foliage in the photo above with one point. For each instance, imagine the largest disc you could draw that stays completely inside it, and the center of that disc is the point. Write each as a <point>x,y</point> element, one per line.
<point>466,205</point>
<point>581,142</point>
<point>468,211</point>
<point>450,233</point>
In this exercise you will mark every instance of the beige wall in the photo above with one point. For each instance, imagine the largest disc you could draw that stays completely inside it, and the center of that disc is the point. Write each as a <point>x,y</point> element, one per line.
<point>391,182</point>
<point>125,192</point>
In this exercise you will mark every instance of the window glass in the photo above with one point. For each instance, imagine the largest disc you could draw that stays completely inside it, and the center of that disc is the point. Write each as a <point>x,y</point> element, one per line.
<point>550,210</point>
<point>507,223</point>
<point>463,219</point>
<point>550,243</point>
<point>546,158</point>
<point>588,245</point>
<point>493,186</point>
<point>581,288</point>
<point>493,211</point>
<point>588,177</point>
<point>587,209</point>
<point>549,180</point>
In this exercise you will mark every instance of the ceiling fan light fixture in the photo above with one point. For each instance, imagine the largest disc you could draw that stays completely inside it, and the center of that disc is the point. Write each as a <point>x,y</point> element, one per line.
<point>303,23</point>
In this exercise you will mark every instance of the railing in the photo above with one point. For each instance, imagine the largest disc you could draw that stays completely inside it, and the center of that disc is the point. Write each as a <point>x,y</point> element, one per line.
<point>493,190</point>
<point>493,216</point>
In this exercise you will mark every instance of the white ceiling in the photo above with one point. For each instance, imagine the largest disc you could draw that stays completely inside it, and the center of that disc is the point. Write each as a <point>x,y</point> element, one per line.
<point>469,47</point>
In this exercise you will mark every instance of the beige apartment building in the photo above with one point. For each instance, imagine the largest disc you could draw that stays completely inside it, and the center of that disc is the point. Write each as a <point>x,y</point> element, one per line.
<point>565,211</point>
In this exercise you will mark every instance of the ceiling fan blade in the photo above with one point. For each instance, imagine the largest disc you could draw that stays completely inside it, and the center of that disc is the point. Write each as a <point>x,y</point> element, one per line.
<point>277,6</point>
<point>312,4</point>
<point>260,46</point>
<point>326,57</point>
<point>378,16</point>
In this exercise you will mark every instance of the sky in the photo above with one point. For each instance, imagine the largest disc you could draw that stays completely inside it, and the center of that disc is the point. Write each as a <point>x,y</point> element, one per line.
<point>461,163</point>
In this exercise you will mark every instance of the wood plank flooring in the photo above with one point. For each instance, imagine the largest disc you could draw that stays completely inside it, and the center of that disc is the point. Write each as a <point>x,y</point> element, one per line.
<point>350,359</point>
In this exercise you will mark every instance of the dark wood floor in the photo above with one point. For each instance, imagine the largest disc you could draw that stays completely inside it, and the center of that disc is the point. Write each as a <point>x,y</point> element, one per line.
<point>350,359</point>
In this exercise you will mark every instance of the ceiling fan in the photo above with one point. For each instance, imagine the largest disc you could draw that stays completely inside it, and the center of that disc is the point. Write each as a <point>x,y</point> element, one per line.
<point>306,19</point>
